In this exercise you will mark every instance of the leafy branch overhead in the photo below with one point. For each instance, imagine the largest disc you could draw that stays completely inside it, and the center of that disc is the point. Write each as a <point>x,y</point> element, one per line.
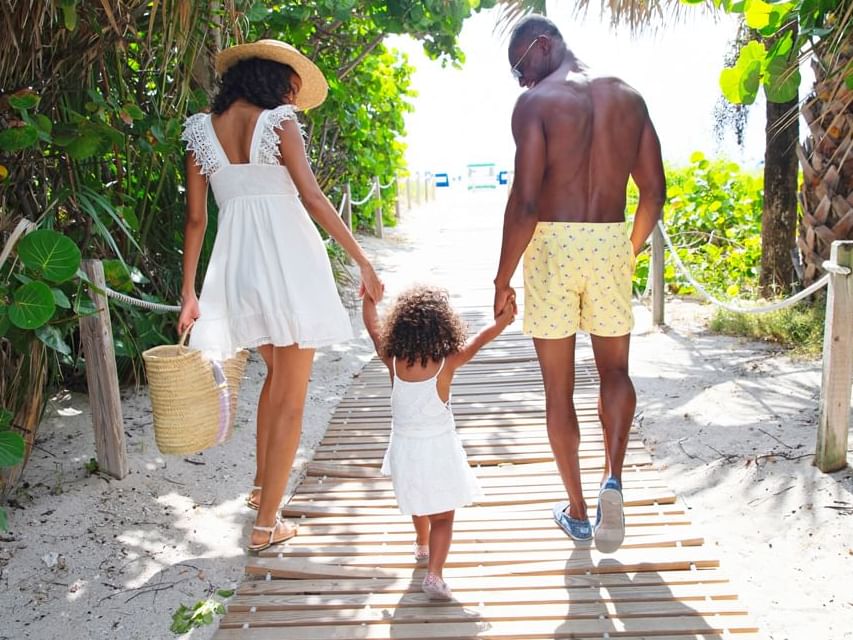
<point>791,29</point>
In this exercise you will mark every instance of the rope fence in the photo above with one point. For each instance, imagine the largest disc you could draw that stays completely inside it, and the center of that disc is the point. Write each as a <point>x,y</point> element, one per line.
<point>775,306</point>
<point>144,304</point>
<point>358,203</point>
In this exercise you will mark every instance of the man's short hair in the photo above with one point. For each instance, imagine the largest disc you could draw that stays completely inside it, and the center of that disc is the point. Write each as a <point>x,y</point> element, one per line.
<point>530,27</point>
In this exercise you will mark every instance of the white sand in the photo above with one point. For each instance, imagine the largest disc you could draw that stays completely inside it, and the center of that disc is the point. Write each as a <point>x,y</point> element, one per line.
<point>717,413</point>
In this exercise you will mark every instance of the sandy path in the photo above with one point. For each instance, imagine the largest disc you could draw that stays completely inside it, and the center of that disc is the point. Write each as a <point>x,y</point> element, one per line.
<point>711,409</point>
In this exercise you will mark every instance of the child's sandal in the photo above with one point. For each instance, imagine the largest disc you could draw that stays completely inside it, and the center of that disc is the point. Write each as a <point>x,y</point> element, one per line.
<point>250,502</point>
<point>271,530</point>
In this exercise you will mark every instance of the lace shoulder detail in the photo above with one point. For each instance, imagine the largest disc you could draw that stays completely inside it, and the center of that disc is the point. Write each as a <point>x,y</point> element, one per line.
<point>268,147</point>
<point>198,141</point>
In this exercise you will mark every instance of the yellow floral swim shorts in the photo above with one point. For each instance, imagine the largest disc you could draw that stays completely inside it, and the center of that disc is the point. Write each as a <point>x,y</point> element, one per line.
<point>578,276</point>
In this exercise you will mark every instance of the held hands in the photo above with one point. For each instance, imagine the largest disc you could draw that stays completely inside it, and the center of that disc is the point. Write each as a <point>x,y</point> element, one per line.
<point>189,313</point>
<point>507,314</point>
<point>504,296</point>
<point>371,285</point>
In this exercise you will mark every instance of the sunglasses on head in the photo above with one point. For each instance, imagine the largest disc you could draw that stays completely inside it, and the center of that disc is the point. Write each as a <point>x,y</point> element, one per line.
<point>514,70</point>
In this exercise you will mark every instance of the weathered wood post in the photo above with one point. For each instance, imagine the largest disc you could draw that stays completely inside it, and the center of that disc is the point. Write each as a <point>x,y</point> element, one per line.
<point>835,386</point>
<point>377,189</point>
<point>96,334</point>
<point>396,197</point>
<point>408,193</point>
<point>656,275</point>
<point>348,206</point>
<point>418,187</point>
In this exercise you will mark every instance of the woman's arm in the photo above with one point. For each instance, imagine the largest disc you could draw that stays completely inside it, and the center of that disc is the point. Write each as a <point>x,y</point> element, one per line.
<point>292,149</point>
<point>194,227</point>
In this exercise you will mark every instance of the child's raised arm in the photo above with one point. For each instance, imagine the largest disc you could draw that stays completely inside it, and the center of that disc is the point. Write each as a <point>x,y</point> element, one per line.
<point>477,342</point>
<point>371,320</point>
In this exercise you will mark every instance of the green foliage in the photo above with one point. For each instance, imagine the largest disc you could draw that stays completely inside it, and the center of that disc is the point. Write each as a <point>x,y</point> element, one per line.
<point>49,255</point>
<point>713,215</point>
<point>203,612</point>
<point>92,467</point>
<point>799,328</point>
<point>11,453</point>
<point>777,68</point>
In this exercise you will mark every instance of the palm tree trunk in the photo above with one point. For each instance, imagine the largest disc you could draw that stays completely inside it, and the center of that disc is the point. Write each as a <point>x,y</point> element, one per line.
<point>779,216</point>
<point>826,158</point>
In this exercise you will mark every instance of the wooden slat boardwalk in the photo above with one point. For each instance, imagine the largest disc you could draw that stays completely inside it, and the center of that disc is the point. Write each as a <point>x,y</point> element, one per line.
<point>350,572</point>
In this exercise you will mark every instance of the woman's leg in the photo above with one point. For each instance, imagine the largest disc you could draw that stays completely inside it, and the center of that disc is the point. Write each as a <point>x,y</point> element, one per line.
<point>440,534</point>
<point>263,422</point>
<point>288,386</point>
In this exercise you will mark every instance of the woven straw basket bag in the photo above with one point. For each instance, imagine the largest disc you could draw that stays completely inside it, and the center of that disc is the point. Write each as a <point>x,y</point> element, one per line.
<point>194,400</point>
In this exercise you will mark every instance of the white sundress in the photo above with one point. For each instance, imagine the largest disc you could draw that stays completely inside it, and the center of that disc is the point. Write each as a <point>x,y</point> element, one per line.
<point>269,280</point>
<point>425,458</point>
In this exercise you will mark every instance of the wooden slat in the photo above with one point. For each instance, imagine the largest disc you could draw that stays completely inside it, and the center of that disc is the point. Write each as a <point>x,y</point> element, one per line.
<point>631,593</point>
<point>568,628</point>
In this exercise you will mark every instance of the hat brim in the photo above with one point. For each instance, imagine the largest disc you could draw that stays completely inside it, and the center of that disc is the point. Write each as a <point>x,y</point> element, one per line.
<point>314,86</point>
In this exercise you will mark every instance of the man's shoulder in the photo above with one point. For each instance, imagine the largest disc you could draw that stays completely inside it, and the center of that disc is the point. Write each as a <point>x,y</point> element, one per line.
<point>614,85</point>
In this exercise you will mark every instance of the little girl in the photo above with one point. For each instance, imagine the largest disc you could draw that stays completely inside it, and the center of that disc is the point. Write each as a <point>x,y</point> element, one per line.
<point>422,342</point>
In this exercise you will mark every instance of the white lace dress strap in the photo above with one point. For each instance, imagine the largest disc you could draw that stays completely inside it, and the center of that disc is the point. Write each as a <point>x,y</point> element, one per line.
<point>198,136</point>
<point>265,142</point>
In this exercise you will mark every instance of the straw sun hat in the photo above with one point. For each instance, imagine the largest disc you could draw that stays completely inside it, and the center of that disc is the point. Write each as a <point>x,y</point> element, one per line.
<point>314,85</point>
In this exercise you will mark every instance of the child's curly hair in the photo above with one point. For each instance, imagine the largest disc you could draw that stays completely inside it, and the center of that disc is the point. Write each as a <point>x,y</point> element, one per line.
<point>422,326</point>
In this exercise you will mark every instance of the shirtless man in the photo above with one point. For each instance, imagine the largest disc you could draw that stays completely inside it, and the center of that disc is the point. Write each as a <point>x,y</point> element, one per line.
<point>578,138</point>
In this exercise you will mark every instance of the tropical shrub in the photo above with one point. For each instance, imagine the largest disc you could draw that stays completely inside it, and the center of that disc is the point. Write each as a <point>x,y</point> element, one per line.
<point>713,215</point>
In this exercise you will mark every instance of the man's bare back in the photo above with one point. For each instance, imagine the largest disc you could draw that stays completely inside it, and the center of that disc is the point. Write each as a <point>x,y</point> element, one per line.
<point>592,128</point>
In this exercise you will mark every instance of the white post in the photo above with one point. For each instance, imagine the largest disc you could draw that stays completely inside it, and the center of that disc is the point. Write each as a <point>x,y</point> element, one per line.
<point>348,206</point>
<point>656,274</point>
<point>377,192</point>
<point>835,387</point>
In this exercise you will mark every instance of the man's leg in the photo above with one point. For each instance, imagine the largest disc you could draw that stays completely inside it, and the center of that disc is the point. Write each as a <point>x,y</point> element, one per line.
<point>617,400</point>
<point>616,404</point>
<point>557,361</point>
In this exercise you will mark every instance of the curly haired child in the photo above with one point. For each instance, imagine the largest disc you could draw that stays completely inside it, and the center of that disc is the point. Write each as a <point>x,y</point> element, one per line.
<point>422,341</point>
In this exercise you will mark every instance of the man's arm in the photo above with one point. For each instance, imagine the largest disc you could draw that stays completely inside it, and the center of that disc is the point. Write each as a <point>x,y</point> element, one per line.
<point>650,179</point>
<point>521,213</point>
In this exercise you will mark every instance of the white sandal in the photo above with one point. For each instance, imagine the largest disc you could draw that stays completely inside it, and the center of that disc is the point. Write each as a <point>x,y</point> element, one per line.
<point>249,503</point>
<point>271,530</point>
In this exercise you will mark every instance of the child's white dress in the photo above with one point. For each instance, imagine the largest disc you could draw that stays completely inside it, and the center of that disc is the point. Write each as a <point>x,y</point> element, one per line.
<point>425,458</point>
<point>269,280</point>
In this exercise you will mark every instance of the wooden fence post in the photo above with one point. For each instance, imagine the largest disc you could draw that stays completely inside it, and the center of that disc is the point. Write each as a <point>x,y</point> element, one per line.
<point>96,334</point>
<point>835,386</point>
<point>408,193</point>
<point>396,197</point>
<point>348,206</point>
<point>656,275</point>
<point>378,193</point>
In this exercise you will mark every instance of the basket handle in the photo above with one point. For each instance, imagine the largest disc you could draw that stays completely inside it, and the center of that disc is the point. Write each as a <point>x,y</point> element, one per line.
<point>183,341</point>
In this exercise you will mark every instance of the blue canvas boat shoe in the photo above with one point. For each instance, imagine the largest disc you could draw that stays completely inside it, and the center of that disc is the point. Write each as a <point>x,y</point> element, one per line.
<point>576,529</point>
<point>610,517</point>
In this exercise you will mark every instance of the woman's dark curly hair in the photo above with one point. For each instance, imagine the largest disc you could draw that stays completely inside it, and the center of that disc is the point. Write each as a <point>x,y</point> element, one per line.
<point>421,326</point>
<point>262,82</point>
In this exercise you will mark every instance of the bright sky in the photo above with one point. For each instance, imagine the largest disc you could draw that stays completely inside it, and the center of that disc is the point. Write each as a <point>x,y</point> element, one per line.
<point>463,116</point>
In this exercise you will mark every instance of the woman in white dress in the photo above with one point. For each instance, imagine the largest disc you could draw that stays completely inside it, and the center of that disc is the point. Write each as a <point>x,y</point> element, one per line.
<point>269,284</point>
